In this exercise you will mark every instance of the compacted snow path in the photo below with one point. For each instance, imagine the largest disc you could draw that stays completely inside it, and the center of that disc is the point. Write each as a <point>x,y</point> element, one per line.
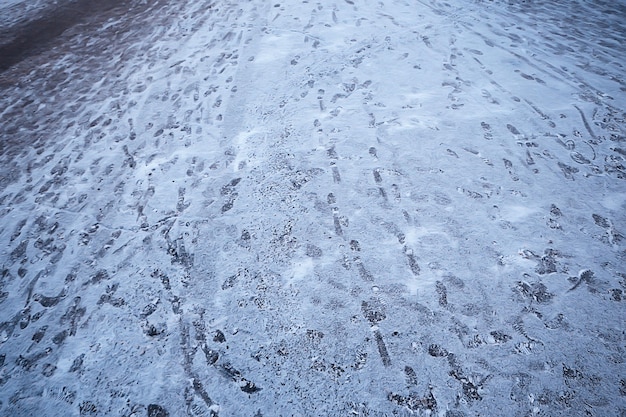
<point>315,208</point>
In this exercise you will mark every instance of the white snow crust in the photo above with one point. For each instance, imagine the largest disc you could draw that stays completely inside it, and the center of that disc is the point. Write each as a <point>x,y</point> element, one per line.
<point>316,208</point>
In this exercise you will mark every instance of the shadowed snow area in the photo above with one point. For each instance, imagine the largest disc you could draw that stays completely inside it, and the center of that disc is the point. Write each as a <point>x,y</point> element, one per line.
<point>313,208</point>
<point>27,28</point>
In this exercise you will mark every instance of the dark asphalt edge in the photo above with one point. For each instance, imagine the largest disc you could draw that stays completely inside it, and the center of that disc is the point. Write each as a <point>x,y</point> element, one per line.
<point>33,35</point>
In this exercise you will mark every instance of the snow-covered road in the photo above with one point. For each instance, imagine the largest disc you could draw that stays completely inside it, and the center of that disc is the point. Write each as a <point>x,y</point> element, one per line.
<point>314,208</point>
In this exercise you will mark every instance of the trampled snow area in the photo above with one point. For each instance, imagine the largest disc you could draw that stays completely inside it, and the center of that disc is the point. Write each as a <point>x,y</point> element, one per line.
<point>13,12</point>
<point>315,208</point>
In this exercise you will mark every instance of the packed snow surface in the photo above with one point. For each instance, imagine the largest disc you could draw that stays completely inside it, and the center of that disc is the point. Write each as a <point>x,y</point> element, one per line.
<point>313,208</point>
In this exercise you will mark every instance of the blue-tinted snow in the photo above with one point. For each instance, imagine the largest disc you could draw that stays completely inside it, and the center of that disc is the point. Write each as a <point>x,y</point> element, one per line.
<point>316,208</point>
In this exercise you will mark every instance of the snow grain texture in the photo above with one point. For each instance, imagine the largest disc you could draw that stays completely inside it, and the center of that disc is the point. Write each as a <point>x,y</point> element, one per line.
<point>316,208</point>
